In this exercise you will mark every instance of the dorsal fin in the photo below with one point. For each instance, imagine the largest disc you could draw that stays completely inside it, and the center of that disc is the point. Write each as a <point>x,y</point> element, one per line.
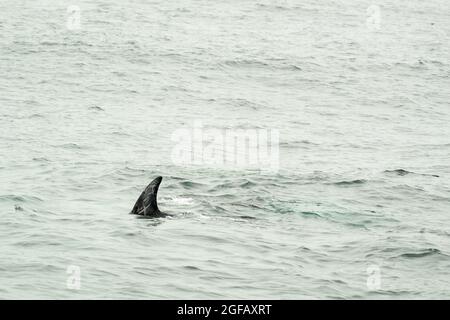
<point>147,204</point>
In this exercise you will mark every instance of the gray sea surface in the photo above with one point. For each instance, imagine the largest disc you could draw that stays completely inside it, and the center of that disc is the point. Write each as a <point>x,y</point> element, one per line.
<point>91,93</point>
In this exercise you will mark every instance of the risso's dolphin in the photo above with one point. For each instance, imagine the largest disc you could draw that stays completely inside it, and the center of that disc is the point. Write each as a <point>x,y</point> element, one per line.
<point>146,205</point>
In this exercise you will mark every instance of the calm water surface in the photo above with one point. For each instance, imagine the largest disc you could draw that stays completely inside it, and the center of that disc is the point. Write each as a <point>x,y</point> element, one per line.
<point>86,118</point>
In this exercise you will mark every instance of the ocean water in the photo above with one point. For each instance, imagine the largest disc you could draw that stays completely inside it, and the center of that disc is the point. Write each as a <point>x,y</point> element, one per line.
<point>92,92</point>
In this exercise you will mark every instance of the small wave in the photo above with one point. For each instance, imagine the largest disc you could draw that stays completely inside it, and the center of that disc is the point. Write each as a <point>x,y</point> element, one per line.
<point>181,201</point>
<point>70,146</point>
<point>247,217</point>
<point>35,116</point>
<point>294,68</point>
<point>125,172</point>
<point>17,198</point>
<point>208,238</point>
<point>34,243</point>
<point>227,196</point>
<point>191,268</point>
<point>247,184</point>
<point>311,214</point>
<point>402,172</point>
<point>351,182</point>
<point>121,133</point>
<point>246,63</point>
<point>247,205</point>
<point>234,184</point>
<point>49,43</point>
<point>297,144</point>
<point>423,253</point>
<point>96,108</point>
<point>190,184</point>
